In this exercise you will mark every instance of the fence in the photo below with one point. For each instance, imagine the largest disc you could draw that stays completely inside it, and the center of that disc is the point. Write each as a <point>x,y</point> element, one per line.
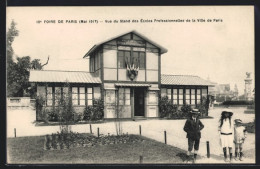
<point>20,103</point>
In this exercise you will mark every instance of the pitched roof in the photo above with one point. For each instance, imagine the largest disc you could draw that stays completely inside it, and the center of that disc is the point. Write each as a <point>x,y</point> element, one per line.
<point>163,50</point>
<point>62,76</point>
<point>184,80</point>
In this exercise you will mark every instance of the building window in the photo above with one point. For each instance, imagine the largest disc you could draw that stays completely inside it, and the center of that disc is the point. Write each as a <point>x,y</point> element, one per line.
<point>57,95</point>
<point>180,99</point>
<point>75,96</point>
<point>187,96</point>
<point>163,92</point>
<point>204,93</point>
<point>198,96</point>
<point>49,96</point>
<point>123,57</point>
<point>90,96</point>
<point>193,97</point>
<point>169,94</point>
<point>110,96</point>
<point>124,96</point>
<point>175,96</point>
<point>139,59</point>
<point>82,95</point>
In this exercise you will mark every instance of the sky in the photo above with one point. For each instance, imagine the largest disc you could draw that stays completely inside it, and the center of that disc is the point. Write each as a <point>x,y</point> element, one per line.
<point>221,50</point>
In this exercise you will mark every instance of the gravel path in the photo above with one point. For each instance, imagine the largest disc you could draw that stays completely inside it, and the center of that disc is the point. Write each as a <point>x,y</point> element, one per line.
<point>150,128</point>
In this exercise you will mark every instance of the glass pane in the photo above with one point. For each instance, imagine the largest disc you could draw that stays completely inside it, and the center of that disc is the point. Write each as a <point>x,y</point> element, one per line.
<point>82,96</point>
<point>198,97</point>
<point>127,96</point>
<point>127,90</point>
<point>49,102</point>
<point>90,90</point>
<point>169,91</point>
<point>180,91</point>
<point>97,95</point>
<point>187,91</point>
<point>49,96</point>
<point>75,102</point>
<point>56,102</point>
<point>175,96</point>
<point>90,96</point>
<point>163,92</point>
<point>180,96</point>
<point>204,91</point>
<point>192,101</point>
<point>192,91</point>
<point>81,102</point>
<point>74,90</point>
<point>65,89</point>
<point>57,89</point>
<point>192,96</point>
<point>187,102</point>
<point>142,60</point>
<point>127,102</point>
<point>121,102</point>
<point>174,91</point>
<point>49,89</point>
<point>198,91</point>
<point>120,53</point>
<point>169,96</point>
<point>82,89</point>
<point>187,97</point>
<point>180,101</point>
<point>175,102</point>
<point>89,102</point>
<point>74,96</point>
<point>198,101</point>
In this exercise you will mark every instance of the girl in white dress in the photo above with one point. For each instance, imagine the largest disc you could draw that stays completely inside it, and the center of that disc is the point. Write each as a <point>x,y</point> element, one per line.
<point>226,132</point>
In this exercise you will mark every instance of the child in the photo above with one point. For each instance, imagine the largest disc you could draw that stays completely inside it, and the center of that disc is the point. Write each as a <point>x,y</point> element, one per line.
<point>226,129</point>
<point>192,128</point>
<point>239,138</point>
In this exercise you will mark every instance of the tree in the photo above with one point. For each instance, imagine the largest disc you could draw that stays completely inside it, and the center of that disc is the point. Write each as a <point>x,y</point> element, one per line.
<point>18,71</point>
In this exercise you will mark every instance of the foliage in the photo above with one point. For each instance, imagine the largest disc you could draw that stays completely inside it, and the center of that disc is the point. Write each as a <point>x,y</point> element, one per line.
<point>95,112</point>
<point>186,110</point>
<point>18,70</point>
<point>42,112</point>
<point>238,102</point>
<point>167,108</point>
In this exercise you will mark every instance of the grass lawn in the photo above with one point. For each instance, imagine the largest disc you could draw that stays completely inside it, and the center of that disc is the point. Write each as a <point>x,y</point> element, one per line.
<point>23,150</point>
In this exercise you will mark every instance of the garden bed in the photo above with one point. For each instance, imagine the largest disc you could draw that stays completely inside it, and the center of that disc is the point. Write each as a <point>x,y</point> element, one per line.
<point>29,150</point>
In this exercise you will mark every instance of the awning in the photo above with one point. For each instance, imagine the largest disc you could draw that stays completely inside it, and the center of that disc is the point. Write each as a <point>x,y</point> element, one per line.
<point>132,85</point>
<point>153,88</point>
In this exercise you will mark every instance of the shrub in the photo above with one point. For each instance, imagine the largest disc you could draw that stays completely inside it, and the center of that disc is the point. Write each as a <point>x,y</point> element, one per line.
<point>95,112</point>
<point>52,115</point>
<point>166,107</point>
<point>186,110</point>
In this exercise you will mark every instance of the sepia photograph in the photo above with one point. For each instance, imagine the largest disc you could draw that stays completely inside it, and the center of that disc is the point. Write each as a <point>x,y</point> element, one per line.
<point>130,85</point>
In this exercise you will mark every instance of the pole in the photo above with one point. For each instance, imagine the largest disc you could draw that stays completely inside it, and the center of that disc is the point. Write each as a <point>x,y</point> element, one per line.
<point>98,131</point>
<point>141,159</point>
<point>140,130</point>
<point>90,128</point>
<point>165,137</point>
<point>14,132</point>
<point>208,150</point>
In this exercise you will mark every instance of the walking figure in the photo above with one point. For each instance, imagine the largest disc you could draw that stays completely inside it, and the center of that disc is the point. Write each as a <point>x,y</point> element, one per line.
<point>226,129</point>
<point>239,138</point>
<point>192,127</point>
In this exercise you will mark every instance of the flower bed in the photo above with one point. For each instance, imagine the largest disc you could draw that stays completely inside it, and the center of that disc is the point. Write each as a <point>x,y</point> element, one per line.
<point>69,140</point>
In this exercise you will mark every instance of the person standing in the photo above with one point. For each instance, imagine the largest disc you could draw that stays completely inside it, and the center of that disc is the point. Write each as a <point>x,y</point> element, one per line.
<point>239,138</point>
<point>226,132</point>
<point>192,127</point>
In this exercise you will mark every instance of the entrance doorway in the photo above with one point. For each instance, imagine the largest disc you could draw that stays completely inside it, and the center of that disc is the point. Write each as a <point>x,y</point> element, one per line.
<point>139,101</point>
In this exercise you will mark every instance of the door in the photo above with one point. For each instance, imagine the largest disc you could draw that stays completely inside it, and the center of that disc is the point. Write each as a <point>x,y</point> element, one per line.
<point>139,101</point>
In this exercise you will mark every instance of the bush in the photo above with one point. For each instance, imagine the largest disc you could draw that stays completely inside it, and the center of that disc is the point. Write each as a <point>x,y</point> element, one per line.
<point>238,102</point>
<point>186,110</point>
<point>95,112</point>
<point>52,115</point>
<point>167,108</point>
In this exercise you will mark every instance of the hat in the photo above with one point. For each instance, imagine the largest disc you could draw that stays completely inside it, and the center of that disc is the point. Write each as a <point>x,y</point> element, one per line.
<point>194,111</point>
<point>227,111</point>
<point>238,121</point>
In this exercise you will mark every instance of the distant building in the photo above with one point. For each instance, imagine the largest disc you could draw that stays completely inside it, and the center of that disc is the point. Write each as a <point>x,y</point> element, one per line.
<point>248,84</point>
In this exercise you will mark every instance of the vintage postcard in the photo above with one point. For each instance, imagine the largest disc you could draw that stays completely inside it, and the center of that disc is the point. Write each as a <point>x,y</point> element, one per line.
<point>130,85</point>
